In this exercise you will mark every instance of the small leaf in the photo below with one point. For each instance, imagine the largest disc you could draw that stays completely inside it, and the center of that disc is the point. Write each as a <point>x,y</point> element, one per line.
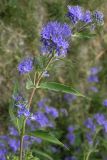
<point>43,154</point>
<point>12,110</point>
<point>29,84</point>
<point>59,87</point>
<point>85,35</point>
<point>46,136</point>
<point>14,119</point>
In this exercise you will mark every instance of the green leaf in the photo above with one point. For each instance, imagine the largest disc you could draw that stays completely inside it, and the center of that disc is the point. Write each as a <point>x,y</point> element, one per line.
<point>85,35</point>
<point>46,136</point>
<point>41,153</point>
<point>59,87</point>
<point>29,84</point>
<point>18,123</point>
<point>14,119</point>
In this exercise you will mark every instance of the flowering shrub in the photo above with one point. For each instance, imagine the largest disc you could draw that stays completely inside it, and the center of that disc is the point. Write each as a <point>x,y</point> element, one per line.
<point>32,128</point>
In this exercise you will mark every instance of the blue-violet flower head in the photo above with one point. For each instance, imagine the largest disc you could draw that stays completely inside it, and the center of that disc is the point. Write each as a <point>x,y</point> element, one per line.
<point>52,111</point>
<point>25,66</point>
<point>105,103</point>
<point>90,124</point>
<point>55,37</point>
<point>98,17</point>
<point>75,13</point>
<point>87,17</point>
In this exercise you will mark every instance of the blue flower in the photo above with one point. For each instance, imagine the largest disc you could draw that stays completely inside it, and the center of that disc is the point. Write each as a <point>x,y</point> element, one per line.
<point>105,126</point>
<point>40,118</point>
<point>95,70</point>
<point>3,151</point>
<point>25,66</point>
<point>89,138</point>
<point>71,138</point>
<point>100,118</point>
<point>37,140</point>
<point>20,105</point>
<point>2,156</point>
<point>75,14</point>
<point>105,103</point>
<point>71,129</point>
<point>54,37</point>
<point>17,97</point>
<point>51,111</point>
<point>14,144</point>
<point>89,124</point>
<point>93,78</point>
<point>98,17</point>
<point>94,89</point>
<point>41,103</point>
<point>87,17</point>
<point>22,110</point>
<point>13,131</point>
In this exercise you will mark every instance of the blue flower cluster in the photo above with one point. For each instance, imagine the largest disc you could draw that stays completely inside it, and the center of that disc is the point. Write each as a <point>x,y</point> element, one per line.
<point>22,110</point>
<point>87,17</point>
<point>17,97</point>
<point>11,142</point>
<point>40,118</point>
<point>98,17</point>
<point>93,77</point>
<point>99,119</point>
<point>3,151</point>
<point>77,14</point>
<point>25,66</point>
<point>53,112</point>
<point>90,125</point>
<point>105,103</point>
<point>55,37</point>
<point>44,117</point>
<point>71,136</point>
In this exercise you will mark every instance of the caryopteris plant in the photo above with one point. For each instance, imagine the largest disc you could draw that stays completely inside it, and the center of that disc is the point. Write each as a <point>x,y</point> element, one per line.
<point>55,39</point>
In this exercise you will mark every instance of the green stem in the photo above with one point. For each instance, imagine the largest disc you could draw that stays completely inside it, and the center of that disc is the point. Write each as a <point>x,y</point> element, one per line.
<point>22,140</point>
<point>88,155</point>
<point>38,81</point>
<point>29,104</point>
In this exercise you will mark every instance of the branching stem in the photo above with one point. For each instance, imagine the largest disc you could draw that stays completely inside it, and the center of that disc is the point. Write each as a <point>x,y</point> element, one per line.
<point>29,104</point>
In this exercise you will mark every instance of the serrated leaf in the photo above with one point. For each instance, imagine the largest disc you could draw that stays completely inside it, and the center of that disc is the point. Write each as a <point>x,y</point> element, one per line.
<point>60,88</point>
<point>46,136</point>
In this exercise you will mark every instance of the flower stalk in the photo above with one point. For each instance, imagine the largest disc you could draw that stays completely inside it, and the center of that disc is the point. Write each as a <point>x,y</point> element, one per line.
<point>29,104</point>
